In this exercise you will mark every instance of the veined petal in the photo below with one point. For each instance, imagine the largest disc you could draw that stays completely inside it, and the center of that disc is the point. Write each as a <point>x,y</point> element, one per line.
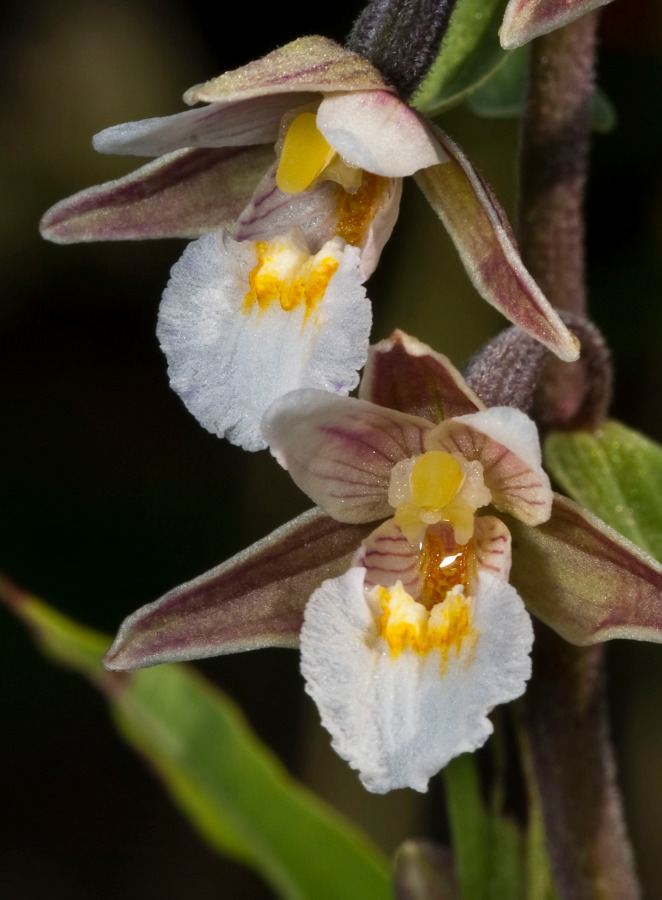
<point>492,546</point>
<point>486,245</point>
<point>364,219</point>
<point>256,599</point>
<point>376,131</point>
<point>388,557</point>
<point>405,374</point>
<point>505,441</point>
<point>271,211</point>
<point>586,581</point>
<point>183,194</point>
<point>311,63</point>
<point>341,451</point>
<point>240,124</point>
<point>399,719</point>
<point>229,359</point>
<point>528,19</point>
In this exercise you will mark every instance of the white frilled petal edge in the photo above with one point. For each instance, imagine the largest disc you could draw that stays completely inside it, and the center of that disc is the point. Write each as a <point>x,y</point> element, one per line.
<point>400,719</point>
<point>228,364</point>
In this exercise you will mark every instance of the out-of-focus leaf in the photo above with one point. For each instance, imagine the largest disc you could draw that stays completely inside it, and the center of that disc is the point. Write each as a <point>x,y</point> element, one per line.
<point>617,474</point>
<point>424,871</point>
<point>539,882</point>
<point>232,789</point>
<point>502,95</point>
<point>488,846</point>
<point>469,54</point>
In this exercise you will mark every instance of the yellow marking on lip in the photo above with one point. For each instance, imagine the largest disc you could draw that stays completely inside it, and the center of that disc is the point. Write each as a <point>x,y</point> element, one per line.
<point>287,275</point>
<point>407,624</point>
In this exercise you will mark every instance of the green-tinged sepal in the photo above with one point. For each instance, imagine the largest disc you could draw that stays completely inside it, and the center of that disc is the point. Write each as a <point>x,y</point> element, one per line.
<point>256,599</point>
<point>182,194</point>
<point>483,238</point>
<point>585,580</point>
<point>528,19</point>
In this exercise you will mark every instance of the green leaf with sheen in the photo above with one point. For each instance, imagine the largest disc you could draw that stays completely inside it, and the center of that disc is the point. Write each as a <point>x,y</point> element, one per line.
<point>502,95</point>
<point>235,793</point>
<point>617,474</point>
<point>469,54</point>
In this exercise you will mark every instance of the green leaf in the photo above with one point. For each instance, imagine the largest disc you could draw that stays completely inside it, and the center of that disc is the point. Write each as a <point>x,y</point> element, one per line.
<point>469,54</point>
<point>488,846</point>
<point>616,473</point>
<point>503,94</point>
<point>237,795</point>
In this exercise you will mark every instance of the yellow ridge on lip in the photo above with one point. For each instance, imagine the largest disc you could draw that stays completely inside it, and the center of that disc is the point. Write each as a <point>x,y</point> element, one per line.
<point>287,275</point>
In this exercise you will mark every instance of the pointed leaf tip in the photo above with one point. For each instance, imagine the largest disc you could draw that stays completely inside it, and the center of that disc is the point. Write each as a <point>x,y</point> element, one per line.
<point>528,19</point>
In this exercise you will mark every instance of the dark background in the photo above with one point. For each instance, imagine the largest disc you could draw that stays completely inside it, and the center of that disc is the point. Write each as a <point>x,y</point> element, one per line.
<point>110,493</point>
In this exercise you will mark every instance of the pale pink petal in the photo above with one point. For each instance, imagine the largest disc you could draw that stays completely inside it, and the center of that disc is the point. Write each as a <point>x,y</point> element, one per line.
<point>388,557</point>
<point>528,19</point>
<point>256,599</point>
<point>484,240</point>
<point>311,63</point>
<point>239,124</point>
<point>405,374</point>
<point>505,441</point>
<point>341,451</point>
<point>400,719</point>
<point>492,546</point>
<point>270,211</point>
<point>377,132</point>
<point>183,194</point>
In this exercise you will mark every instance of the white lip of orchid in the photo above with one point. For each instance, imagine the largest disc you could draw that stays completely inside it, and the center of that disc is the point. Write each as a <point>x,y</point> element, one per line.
<point>436,487</point>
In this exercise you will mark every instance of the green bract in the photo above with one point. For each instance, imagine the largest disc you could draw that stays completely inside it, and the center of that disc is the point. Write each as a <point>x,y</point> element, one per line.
<point>470,53</point>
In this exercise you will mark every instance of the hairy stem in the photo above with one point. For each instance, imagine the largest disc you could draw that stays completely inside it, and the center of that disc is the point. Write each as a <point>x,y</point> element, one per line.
<point>565,708</point>
<point>555,144</point>
<point>566,719</point>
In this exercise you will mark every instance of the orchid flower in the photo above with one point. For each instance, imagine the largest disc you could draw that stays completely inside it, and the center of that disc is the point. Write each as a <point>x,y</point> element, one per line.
<point>403,678</point>
<point>291,177</point>
<point>407,653</point>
